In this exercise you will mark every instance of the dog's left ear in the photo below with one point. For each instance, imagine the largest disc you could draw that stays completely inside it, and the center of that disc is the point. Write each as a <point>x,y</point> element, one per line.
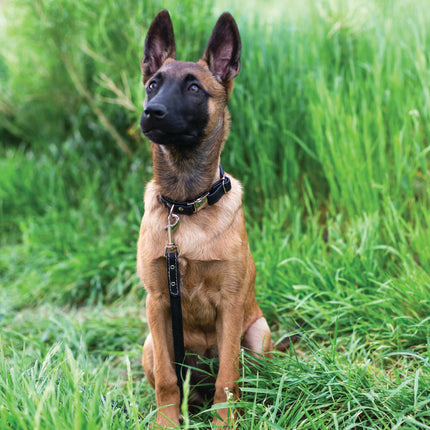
<point>222,52</point>
<point>159,44</point>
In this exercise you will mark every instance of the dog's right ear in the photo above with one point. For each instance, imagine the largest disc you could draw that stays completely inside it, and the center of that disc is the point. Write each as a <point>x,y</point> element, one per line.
<point>159,44</point>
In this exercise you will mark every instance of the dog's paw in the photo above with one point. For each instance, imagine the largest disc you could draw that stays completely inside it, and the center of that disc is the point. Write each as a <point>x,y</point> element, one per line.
<point>164,422</point>
<point>224,420</point>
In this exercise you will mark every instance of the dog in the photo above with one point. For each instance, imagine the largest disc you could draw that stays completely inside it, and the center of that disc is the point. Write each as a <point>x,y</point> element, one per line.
<point>187,122</point>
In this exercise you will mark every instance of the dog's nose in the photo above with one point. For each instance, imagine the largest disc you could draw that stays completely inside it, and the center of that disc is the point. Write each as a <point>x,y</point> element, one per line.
<point>155,110</point>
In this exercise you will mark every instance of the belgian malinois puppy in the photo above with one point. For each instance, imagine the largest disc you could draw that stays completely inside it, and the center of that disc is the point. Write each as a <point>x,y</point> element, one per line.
<point>187,123</point>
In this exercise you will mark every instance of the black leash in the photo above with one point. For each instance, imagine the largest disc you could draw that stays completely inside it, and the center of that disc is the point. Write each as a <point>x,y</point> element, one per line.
<point>176,314</point>
<point>171,253</point>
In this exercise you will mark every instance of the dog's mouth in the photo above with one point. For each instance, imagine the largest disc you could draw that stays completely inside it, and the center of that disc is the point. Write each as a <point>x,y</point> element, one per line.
<point>163,137</point>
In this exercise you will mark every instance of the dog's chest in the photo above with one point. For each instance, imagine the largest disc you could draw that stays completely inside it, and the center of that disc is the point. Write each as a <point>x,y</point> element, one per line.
<point>201,292</point>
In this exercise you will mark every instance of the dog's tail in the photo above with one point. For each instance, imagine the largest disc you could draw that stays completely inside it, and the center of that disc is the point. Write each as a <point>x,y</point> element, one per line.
<point>283,345</point>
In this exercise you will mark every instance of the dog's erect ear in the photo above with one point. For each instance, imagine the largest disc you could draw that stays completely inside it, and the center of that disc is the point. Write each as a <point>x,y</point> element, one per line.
<point>159,44</point>
<point>222,52</point>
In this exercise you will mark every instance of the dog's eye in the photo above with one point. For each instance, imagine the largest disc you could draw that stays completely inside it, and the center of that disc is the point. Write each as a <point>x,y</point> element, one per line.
<point>194,88</point>
<point>153,85</point>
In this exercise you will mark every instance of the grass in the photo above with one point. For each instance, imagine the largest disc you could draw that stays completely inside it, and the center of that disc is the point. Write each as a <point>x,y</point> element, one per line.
<point>330,139</point>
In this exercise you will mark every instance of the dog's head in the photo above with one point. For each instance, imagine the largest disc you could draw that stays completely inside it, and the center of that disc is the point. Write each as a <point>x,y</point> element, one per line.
<point>186,101</point>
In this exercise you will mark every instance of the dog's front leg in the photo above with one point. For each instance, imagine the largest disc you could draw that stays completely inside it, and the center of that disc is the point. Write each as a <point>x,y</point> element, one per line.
<point>167,393</point>
<point>229,331</point>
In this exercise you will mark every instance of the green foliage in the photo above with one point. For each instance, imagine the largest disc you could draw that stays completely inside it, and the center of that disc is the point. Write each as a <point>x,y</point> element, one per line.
<point>75,67</point>
<point>329,136</point>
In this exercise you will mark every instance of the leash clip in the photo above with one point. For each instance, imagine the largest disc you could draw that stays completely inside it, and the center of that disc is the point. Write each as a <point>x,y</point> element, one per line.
<point>172,223</point>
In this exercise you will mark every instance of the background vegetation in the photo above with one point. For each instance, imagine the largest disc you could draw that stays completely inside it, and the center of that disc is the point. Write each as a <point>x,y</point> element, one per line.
<point>330,139</point>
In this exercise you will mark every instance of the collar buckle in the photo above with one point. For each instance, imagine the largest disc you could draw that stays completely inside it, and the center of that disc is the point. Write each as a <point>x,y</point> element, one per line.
<point>223,183</point>
<point>199,203</point>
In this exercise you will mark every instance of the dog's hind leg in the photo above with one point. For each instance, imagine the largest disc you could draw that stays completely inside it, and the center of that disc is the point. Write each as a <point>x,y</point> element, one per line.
<point>148,360</point>
<point>258,338</point>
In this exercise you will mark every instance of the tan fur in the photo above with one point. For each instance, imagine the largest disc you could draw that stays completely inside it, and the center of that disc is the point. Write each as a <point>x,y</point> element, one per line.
<point>217,271</point>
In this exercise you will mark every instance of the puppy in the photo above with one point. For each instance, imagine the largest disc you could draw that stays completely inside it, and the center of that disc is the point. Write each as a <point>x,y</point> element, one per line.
<point>187,122</point>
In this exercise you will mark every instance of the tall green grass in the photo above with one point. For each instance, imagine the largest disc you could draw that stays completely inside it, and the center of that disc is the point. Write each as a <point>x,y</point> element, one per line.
<point>330,138</point>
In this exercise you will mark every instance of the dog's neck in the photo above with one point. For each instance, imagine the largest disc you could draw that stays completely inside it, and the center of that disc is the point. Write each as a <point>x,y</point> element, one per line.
<point>184,173</point>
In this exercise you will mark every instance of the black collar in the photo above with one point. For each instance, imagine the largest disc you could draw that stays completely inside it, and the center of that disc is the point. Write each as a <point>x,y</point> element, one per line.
<point>210,197</point>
